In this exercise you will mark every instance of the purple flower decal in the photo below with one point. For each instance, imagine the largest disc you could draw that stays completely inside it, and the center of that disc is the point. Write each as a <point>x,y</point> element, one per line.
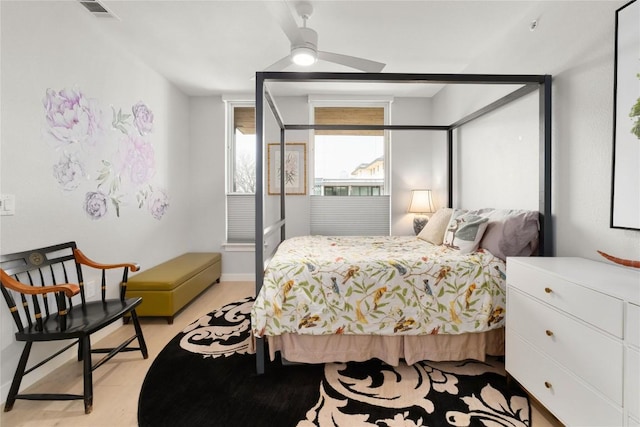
<point>142,118</point>
<point>158,204</point>
<point>71,117</point>
<point>137,159</point>
<point>69,172</point>
<point>95,204</point>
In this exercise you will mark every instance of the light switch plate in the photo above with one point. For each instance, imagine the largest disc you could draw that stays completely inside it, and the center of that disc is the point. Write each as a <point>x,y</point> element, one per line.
<point>7,204</point>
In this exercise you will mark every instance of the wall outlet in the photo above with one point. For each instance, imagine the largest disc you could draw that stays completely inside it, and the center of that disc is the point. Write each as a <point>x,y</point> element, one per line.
<point>7,204</point>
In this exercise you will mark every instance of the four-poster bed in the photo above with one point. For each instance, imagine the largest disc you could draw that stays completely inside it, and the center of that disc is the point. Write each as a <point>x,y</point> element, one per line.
<point>324,315</point>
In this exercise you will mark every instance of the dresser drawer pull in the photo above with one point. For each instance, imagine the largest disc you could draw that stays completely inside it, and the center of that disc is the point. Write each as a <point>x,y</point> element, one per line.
<point>547,384</point>
<point>548,290</point>
<point>549,333</point>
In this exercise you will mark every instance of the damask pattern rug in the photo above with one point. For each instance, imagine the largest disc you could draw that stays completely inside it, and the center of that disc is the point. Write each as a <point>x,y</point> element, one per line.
<point>206,376</point>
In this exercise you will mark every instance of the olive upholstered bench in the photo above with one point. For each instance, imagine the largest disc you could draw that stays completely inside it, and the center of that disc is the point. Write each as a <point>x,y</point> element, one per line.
<point>168,287</point>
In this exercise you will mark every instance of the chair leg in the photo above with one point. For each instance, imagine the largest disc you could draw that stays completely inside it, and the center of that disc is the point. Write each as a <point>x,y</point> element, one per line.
<point>87,374</point>
<point>17,378</point>
<point>136,325</point>
<point>80,351</point>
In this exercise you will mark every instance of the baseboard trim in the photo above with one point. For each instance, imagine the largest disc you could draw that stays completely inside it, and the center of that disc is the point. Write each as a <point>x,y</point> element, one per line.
<point>240,277</point>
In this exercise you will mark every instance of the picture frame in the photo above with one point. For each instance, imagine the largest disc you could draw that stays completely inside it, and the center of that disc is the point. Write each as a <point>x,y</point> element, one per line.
<point>295,168</point>
<point>625,182</point>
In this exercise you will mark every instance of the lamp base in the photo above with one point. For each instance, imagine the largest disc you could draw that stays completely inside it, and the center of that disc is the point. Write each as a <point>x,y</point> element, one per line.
<point>418,223</point>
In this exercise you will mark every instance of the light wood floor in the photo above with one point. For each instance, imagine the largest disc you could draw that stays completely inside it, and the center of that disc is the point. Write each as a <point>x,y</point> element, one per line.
<point>117,383</point>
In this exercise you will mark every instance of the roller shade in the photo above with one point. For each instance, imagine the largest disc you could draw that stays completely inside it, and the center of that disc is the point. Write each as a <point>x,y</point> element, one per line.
<point>349,116</point>
<point>244,119</point>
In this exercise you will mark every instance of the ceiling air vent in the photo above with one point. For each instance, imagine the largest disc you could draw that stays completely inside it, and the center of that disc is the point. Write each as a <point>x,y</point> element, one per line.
<point>96,8</point>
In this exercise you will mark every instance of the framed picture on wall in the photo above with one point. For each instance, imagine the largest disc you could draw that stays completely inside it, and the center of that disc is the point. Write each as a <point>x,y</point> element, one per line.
<point>295,168</point>
<point>625,192</point>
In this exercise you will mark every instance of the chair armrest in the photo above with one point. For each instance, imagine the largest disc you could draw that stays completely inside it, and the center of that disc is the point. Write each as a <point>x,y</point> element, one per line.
<point>9,282</point>
<point>82,259</point>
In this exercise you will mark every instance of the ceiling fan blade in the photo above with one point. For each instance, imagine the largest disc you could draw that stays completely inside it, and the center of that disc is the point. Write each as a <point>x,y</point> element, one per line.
<point>279,65</point>
<point>280,11</point>
<point>352,61</point>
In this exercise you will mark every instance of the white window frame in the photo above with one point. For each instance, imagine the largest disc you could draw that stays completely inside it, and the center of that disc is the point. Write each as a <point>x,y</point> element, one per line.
<point>359,101</point>
<point>338,215</point>
<point>230,105</point>
<point>244,202</point>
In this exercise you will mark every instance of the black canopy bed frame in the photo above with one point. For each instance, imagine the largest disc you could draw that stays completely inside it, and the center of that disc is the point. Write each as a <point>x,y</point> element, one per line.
<point>527,84</point>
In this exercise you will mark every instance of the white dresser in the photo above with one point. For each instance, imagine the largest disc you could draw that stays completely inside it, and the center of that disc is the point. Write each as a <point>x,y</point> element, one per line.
<point>573,338</point>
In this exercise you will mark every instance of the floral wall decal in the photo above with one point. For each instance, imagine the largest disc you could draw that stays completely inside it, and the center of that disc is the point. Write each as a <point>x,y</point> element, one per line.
<point>116,162</point>
<point>142,118</point>
<point>71,117</point>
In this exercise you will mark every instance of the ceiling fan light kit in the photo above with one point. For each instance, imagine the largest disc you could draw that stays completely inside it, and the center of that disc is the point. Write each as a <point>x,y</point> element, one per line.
<point>304,56</point>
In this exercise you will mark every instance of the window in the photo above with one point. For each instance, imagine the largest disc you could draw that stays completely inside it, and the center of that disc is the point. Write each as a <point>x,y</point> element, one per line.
<point>349,162</point>
<point>336,190</point>
<point>351,167</point>
<point>241,172</point>
<point>242,150</point>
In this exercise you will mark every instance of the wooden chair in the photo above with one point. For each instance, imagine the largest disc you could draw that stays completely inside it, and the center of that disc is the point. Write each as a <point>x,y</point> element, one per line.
<point>42,281</point>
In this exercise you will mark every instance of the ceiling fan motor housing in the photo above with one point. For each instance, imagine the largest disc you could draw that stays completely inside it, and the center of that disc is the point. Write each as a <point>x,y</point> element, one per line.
<point>309,39</point>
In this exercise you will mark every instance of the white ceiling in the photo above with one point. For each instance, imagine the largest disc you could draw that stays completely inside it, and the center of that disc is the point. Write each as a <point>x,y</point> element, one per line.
<point>215,47</point>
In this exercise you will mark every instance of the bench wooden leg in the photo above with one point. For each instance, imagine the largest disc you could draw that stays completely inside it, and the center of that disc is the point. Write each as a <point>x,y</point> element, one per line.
<point>170,320</point>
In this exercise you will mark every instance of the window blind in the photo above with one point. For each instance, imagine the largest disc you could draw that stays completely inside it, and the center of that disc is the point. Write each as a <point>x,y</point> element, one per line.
<point>350,215</point>
<point>241,218</point>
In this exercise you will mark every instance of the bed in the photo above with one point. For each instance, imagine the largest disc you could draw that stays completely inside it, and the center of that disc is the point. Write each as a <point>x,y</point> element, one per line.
<point>343,298</point>
<point>436,296</point>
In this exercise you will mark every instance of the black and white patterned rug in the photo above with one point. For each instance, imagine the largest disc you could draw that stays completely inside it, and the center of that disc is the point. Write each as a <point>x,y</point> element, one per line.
<point>206,376</point>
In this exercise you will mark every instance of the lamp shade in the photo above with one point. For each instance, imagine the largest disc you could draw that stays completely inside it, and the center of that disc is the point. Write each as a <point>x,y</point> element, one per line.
<point>421,202</point>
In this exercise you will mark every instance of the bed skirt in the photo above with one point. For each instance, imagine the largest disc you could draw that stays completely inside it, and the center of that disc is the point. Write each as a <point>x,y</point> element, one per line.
<point>390,349</point>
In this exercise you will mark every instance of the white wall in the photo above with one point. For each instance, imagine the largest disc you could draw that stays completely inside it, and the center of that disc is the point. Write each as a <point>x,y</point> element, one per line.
<point>411,156</point>
<point>496,159</point>
<point>575,43</point>
<point>56,45</point>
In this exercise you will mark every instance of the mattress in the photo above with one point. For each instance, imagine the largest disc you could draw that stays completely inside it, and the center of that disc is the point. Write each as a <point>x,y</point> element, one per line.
<point>373,285</point>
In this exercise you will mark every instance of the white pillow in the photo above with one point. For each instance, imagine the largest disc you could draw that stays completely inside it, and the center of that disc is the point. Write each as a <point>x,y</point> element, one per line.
<point>464,231</point>
<point>433,232</point>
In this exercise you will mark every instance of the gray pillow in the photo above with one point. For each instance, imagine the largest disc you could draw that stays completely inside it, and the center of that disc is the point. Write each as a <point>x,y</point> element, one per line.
<point>510,232</point>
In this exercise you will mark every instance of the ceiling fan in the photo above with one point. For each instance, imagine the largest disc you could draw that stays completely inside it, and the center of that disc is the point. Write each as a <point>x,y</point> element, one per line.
<point>304,41</point>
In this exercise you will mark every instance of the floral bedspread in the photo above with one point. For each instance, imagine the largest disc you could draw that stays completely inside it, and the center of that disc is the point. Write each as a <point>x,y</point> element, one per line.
<point>378,286</point>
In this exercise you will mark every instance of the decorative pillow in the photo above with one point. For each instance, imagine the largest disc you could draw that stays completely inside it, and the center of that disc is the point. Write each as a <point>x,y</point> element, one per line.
<point>510,232</point>
<point>433,232</point>
<point>465,230</point>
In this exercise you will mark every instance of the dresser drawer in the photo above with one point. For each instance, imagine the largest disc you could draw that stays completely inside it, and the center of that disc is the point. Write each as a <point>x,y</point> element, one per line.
<point>596,308</point>
<point>569,342</point>
<point>632,325</point>
<point>632,382</point>
<point>573,402</point>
